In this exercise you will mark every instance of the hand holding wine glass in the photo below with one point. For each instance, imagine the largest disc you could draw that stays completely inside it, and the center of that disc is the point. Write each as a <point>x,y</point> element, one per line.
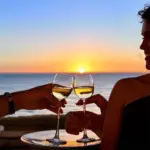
<point>61,89</point>
<point>84,88</point>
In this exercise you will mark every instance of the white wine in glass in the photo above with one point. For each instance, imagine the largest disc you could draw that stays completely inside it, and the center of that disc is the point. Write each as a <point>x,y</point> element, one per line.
<point>84,88</point>
<point>61,92</point>
<point>61,89</point>
<point>84,92</point>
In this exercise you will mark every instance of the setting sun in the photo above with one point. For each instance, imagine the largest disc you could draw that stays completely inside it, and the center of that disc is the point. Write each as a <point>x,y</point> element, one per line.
<point>81,70</point>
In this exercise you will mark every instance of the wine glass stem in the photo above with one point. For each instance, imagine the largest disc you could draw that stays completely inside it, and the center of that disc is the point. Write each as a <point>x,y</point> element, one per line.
<point>84,110</point>
<point>57,129</point>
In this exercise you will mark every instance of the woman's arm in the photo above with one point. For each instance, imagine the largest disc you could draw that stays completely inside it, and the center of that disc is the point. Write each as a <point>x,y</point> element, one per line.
<point>96,120</point>
<point>113,116</point>
<point>96,124</point>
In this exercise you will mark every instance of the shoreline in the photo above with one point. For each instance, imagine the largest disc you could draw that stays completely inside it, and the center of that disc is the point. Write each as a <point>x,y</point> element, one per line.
<point>34,122</point>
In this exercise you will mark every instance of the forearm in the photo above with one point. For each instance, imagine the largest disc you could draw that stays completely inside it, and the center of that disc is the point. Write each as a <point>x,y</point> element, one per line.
<point>3,106</point>
<point>35,98</point>
<point>96,124</point>
<point>17,97</point>
<point>21,99</point>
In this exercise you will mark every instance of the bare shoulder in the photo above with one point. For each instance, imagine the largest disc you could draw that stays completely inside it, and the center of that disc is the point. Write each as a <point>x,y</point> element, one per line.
<point>122,88</point>
<point>131,89</point>
<point>143,78</point>
<point>132,83</point>
<point>126,86</point>
<point>125,82</point>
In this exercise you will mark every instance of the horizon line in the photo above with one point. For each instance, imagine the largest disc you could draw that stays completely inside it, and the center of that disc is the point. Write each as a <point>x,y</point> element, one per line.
<point>70,72</point>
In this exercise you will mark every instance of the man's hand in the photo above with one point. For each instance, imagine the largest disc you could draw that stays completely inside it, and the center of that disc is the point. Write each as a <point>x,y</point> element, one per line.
<point>38,98</point>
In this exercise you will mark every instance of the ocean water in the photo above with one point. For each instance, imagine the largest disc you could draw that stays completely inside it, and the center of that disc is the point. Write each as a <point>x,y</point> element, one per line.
<point>103,84</point>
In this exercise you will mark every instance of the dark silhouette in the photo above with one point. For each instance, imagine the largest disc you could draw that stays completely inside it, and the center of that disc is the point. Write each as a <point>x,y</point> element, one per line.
<point>125,117</point>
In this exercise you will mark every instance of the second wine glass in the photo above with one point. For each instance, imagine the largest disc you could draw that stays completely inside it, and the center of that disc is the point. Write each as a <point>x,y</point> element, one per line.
<point>84,88</point>
<point>61,89</point>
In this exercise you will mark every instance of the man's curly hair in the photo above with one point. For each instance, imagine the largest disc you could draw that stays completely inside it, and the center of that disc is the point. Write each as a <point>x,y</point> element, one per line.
<point>145,13</point>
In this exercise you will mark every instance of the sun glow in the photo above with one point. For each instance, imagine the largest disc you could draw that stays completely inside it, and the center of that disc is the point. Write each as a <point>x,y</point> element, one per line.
<point>81,70</point>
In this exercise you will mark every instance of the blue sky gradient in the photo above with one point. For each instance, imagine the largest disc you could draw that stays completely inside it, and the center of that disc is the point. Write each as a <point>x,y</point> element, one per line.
<point>35,32</point>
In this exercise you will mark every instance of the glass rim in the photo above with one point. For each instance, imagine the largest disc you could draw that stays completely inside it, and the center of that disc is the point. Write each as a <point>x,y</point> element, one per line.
<point>63,76</point>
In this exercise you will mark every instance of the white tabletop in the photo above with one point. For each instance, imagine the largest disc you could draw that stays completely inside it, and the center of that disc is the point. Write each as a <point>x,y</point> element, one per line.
<point>39,139</point>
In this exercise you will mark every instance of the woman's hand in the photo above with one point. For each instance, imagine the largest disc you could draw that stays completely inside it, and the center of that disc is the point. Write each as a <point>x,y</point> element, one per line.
<point>39,97</point>
<point>77,121</point>
<point>97,99</point>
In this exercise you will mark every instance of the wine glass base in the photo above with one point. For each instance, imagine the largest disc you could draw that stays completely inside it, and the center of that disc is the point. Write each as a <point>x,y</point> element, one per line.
<point>86,140</point>
<point>56,141</point>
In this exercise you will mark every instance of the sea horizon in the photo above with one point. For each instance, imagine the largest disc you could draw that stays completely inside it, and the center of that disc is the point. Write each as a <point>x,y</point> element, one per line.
<point>72,72</point>
<point>103,84</point>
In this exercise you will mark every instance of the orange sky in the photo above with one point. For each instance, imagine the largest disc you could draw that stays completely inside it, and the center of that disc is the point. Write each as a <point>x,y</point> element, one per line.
<point>72,55</point>
<point>73,61</point>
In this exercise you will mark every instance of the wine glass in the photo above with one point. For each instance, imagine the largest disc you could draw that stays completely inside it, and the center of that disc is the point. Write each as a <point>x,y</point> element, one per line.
<point>61,89</point>
<point>84,88</point>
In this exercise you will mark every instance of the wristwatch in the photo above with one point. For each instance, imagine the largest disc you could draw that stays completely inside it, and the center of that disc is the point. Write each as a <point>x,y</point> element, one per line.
<point>11,105</point>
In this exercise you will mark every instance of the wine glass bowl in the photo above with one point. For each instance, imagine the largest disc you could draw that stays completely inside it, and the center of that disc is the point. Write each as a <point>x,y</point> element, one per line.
<point>61,92</point>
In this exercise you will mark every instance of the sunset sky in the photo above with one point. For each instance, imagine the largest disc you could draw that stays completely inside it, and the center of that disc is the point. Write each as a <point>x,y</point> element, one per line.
<point>67,35</point>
